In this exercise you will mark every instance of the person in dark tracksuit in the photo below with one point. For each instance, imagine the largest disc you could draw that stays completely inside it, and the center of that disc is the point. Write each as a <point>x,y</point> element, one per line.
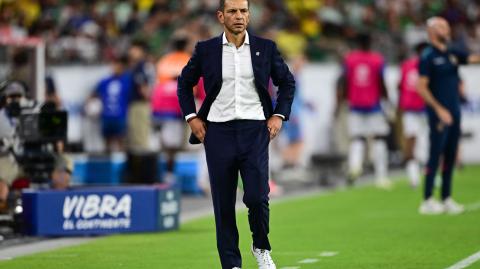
<point>438,85</point>
<point>236,123</point>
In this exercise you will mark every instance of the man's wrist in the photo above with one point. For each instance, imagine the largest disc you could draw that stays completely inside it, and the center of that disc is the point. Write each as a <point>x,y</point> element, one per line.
<point>191,118</point>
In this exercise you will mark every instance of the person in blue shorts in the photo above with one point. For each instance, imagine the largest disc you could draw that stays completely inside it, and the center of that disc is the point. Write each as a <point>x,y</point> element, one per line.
<point>438,85</point>
<point>114,94</point>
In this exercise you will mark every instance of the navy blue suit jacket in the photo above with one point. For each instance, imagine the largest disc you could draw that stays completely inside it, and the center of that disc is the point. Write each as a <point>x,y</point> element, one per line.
<point>206,62</point>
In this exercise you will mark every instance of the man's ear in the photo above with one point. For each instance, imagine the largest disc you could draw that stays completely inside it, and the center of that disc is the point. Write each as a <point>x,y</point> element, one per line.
<point>220,16</point>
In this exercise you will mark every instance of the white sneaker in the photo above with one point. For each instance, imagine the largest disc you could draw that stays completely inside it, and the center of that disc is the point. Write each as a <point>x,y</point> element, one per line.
<point>452,207</point>
<point>236,268</point>
<point>263,258</point>
<point>431,207</point>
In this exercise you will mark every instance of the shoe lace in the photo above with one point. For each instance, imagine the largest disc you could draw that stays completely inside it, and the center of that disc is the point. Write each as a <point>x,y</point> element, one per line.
<point>265,256</point>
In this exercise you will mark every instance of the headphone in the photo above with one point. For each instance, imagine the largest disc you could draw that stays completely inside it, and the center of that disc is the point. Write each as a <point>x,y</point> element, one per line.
<point>20,87</point>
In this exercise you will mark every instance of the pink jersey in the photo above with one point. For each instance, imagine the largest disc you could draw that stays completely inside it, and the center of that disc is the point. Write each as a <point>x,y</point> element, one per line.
<point>409,97</point>
<point>364,74</point>
<point>164,99</point>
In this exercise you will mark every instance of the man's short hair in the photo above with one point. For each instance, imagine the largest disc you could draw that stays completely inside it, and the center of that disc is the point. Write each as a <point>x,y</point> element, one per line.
<point>121,59</point>
<point>221,5</point>
<point>364,40</point>
<point>180,43</point>
<point>140,43</point>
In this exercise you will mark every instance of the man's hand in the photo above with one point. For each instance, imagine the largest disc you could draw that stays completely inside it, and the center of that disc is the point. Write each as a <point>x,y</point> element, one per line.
<point>274,124</point>
<point>199,129</point>
<point>444,116</point>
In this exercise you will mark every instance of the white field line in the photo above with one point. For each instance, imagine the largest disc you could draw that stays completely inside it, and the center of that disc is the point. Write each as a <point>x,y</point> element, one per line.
<point>466,262</point>
<point>472,207</point>
<point>306,253</point>
<point>42,246</point>
<point>305,261</point>
<point>328,254</point>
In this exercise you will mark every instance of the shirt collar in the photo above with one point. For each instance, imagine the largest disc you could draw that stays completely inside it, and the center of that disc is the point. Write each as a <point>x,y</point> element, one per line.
<point>246,41</point>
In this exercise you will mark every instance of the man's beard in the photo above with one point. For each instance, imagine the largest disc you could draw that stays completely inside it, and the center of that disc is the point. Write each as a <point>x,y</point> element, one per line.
<point>235,31</point>
<point>443,39</point>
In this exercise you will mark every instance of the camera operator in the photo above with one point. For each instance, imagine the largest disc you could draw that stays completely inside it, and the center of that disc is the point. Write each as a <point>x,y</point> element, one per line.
<point>11,94</point>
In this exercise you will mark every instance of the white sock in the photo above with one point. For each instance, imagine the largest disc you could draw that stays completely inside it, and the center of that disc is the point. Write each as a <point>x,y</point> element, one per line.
<point>413,172</point>
<point>380,159</point>
<point>355,157</point>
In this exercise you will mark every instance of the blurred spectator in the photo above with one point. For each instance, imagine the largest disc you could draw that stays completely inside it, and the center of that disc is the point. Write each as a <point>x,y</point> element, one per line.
<point>114,93</point>
<point>364,88</point>
<point>139,111</point>
<point>52,100</point>
<point>290,41</point>
<point>170,66</point>
<point>472,37</point>
<point>11,22</point>
<point>454,12</point>
<point>11,92</point>
<point>414,120</point>
<point>165,106</point>
<point>21,70</point>
<point>93,141</point>
<point>292,128</point>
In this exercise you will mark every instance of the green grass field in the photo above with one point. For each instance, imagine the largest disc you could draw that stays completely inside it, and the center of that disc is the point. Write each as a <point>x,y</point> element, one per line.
<point>365,227</point>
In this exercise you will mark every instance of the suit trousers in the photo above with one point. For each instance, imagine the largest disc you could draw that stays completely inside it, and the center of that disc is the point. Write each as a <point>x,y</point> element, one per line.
<point>232,147</point>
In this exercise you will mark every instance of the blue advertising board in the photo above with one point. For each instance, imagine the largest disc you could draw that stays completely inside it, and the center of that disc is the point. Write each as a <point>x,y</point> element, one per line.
<point>92,211</point>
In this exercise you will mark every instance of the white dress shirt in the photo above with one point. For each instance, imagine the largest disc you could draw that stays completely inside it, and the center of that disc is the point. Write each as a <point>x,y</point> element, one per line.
<point>238,98</point>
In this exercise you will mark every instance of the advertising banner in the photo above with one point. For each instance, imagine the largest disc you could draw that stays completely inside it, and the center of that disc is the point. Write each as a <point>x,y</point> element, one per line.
<point>106,210</point>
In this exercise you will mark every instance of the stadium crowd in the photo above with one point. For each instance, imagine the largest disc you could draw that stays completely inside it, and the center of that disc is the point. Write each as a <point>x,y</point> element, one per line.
<point>95,31</point>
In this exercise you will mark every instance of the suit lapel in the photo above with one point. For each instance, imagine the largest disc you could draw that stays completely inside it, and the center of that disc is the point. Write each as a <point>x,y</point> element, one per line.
<point>215,61</point>
<point>218,52</point>
<point>256,55</point>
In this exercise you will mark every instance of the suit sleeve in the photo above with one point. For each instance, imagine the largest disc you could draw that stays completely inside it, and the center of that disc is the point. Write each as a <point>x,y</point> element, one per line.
<point>284,80</point>
<point>186,81</point>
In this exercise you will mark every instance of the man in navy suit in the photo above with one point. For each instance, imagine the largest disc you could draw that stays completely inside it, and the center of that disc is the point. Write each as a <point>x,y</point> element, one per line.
<point>236,123</point>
